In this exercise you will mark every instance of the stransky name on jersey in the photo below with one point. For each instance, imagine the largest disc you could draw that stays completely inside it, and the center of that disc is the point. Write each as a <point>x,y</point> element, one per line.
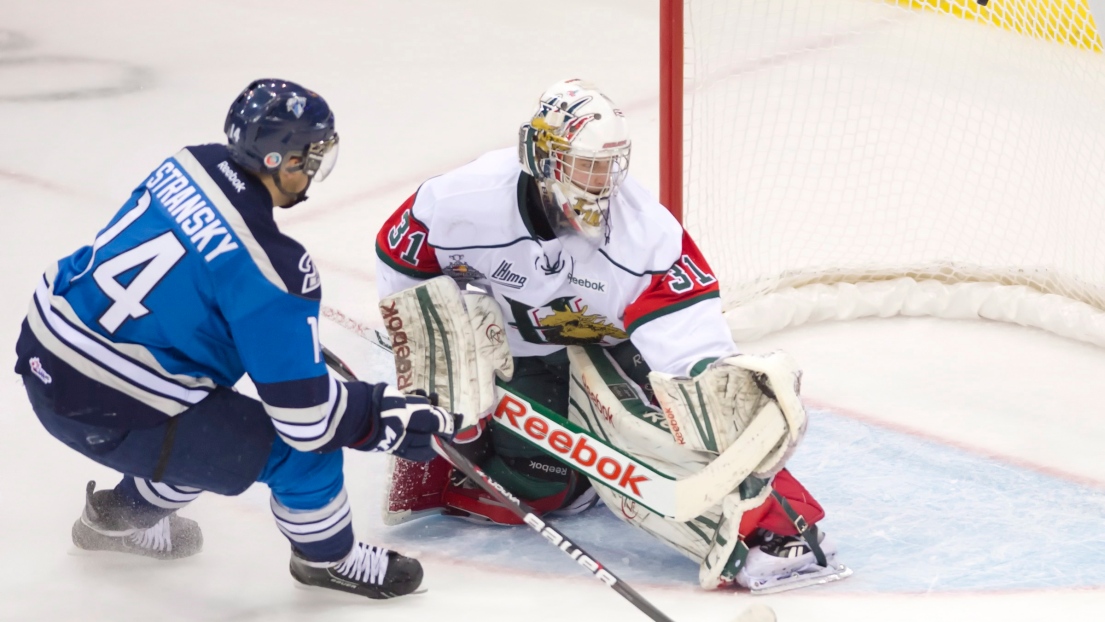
<point>180,197</point>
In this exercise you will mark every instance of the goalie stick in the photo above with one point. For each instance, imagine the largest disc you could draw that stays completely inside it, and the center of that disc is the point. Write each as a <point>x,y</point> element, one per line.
<point>754,613</point>
<point>679,498</point>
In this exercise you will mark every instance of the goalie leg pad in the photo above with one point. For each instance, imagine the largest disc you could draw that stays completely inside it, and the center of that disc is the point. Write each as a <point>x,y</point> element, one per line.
<point>709,412</point>
<point>776,519</point>
<point>603,399</point>
<point>414,489</point>
<point>714,540</point>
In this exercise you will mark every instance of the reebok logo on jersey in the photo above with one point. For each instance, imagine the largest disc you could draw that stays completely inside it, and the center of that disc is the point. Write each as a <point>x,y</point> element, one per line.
<point>231,176</point>
<point>586,284</point>
<point>504,276</point>
<point>37,370</point>
<point>311,279</point>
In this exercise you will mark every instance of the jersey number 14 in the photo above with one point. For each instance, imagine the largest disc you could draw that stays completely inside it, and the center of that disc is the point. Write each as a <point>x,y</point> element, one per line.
<point>159,254</point>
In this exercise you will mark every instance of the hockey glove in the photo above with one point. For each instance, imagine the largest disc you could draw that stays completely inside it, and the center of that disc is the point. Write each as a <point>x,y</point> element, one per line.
<point>407,423</point>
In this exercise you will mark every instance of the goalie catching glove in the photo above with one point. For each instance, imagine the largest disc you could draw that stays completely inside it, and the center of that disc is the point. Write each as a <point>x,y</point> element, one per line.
<point>407,426</point>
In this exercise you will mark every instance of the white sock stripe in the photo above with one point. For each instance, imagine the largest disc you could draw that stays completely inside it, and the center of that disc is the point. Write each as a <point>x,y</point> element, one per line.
<point>345,520</point>
<point>443,424</point>
<point>314,526</point>
<point>172,493</point>
<point>126,368</point>
<point>179,491</point>
<point>308,516</point>
<point>162,496</point>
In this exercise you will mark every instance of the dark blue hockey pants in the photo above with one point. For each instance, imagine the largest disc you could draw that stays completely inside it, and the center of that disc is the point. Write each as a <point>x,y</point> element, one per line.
<point>222,444</point>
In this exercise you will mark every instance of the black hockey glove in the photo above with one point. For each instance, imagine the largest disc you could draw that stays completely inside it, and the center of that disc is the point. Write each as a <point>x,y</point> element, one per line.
<point>407,423</point>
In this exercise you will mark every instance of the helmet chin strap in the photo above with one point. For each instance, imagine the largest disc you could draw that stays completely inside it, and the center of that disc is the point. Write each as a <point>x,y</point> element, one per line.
<point>298,196</point>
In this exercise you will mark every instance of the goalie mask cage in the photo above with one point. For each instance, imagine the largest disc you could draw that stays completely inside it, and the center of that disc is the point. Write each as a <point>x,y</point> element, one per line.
<point>838,159</point>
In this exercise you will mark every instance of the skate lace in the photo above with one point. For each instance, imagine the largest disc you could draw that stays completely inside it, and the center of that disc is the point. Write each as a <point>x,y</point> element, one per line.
<point>156,538</point>
<point>365,563</point>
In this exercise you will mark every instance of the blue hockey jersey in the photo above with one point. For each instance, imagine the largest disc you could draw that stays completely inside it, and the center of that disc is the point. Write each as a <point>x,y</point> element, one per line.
<point>190,286</point>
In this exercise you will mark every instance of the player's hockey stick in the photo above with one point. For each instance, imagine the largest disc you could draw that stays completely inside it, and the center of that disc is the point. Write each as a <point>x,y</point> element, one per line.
<point>755,613</point>
<point>357,327</point>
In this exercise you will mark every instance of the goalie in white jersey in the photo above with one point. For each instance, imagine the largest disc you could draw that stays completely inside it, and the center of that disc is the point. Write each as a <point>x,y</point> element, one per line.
<point>595,279</point>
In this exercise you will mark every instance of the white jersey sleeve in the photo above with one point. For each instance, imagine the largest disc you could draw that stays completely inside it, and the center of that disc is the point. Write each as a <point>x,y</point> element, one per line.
<point>676,322</point>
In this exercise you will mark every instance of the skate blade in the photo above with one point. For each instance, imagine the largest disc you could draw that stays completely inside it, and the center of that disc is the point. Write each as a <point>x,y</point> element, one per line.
<point>797,581</point>
<point>392,519</point>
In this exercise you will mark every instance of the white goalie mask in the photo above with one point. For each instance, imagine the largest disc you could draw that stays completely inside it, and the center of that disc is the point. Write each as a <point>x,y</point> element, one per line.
<point>577,148</point>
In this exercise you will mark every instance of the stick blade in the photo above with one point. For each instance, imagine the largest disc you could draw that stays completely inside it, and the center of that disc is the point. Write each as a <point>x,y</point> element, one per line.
<point>757,613</point>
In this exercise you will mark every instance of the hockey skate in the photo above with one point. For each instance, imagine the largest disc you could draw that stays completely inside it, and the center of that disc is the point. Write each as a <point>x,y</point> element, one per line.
<point>103,526</point>
<point>781,563</point>
<point>368,570</point>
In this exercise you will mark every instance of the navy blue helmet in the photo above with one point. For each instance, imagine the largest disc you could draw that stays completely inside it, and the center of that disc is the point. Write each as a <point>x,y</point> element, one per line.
<point>274,120</point>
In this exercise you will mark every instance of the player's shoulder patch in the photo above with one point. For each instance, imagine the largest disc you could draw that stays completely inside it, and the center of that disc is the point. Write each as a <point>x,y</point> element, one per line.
<point>475,205</point>
<point>310,279</point>
<point>295,267</point>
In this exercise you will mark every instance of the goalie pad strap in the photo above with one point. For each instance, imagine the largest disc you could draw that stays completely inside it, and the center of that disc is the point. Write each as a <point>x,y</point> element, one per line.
<point>805,529</point>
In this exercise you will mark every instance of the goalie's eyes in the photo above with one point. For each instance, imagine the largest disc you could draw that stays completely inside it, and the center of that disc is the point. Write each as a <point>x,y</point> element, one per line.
<point>589,174</point>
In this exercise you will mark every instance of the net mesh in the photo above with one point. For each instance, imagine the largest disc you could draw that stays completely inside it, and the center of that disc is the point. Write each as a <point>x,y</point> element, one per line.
<point>862,140</point>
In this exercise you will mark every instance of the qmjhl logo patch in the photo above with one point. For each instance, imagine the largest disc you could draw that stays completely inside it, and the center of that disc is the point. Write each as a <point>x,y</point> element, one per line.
<point>503,275</point>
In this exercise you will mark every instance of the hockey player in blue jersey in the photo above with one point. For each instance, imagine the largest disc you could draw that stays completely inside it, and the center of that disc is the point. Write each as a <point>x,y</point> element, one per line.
<point>131,345</point>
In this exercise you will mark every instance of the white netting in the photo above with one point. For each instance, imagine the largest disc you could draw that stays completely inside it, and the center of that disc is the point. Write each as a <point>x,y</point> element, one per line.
<point>860,141</point>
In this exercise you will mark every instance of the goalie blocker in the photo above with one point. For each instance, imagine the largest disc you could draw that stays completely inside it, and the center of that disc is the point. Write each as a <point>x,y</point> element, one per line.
<point>704,474</point>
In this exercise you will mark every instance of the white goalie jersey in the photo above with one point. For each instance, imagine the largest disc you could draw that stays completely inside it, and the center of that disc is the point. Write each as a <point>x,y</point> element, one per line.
<point>647,282</point>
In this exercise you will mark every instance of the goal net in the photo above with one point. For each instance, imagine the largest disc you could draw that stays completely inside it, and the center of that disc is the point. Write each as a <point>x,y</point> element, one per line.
<point>852,158</point>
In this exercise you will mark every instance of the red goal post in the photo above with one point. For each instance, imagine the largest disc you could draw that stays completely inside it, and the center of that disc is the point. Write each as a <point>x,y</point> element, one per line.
<point>671,106</point>
<point>838,159</point>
